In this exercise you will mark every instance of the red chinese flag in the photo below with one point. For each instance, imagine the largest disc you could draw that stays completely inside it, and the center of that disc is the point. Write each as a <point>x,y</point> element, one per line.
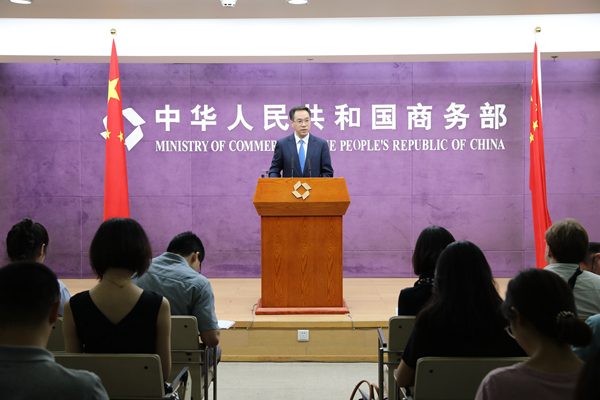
<point>537,166</point>
<point>116,194</point>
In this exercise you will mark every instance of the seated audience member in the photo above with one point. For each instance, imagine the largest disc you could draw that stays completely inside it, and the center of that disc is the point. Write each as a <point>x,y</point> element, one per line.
<point>584,352</point>
<point>588,386</point>
<point>430,244</point>
<point>176,275</point>
<point>28,241</point>
<point>463,318</point>
<point>591,262</point>
<point>543,320</point>
<point>29,302</point>
<point>566,247</point>
<point>115,316</point>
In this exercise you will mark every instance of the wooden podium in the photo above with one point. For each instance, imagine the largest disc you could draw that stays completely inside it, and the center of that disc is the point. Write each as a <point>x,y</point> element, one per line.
<point>301,245</point>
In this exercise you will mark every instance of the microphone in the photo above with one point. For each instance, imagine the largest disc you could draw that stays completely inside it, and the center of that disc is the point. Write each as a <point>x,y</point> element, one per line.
<point>309,168</point>
<point>292,165</point>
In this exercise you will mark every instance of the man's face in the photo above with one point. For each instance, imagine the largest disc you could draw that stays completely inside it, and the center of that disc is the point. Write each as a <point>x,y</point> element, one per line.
<point>194,261</point>
<point>547,254</point>
<point>593,266</point>
<point>301,123</point>
<point>197,265</point>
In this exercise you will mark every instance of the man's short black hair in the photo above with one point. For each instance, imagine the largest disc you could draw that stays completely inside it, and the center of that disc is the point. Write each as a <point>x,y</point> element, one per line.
<point>28,291</point>
<point>185,244</point>
<point>298,108</point>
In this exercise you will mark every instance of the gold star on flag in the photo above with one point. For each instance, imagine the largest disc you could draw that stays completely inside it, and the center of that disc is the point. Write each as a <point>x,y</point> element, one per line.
<point>121,136</point>
<point>535,125</point>
<point>530,137</point>
<point>112,89</point>
<point>107,134</point>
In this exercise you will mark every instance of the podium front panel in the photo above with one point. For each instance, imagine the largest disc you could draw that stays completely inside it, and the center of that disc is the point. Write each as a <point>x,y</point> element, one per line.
<point>302,261</point>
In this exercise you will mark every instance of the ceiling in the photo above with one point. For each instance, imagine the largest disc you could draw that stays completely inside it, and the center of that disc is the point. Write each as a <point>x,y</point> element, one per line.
<point>203,31</point>
<point>208,9</point>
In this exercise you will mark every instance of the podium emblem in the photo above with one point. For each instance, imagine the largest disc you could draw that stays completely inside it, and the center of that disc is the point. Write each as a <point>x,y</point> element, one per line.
<point>304,186</point>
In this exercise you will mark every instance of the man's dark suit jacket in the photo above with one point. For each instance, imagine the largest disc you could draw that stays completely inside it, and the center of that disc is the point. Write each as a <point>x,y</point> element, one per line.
<point>317,151</point>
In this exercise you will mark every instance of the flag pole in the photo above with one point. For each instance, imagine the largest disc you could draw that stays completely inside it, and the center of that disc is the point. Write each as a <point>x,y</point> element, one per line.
<point>116,193</point>
<point>537,163</point>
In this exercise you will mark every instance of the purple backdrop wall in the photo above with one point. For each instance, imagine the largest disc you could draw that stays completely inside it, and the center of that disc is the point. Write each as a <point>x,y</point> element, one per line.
<point>52,155</point>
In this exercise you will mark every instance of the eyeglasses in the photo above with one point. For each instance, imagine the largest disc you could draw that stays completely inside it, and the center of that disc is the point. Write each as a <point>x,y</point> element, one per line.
<point>302,121</point>
<point>509,331</point>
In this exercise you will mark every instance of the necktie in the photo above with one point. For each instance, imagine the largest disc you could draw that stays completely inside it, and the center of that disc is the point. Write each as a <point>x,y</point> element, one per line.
<point>301,155</point>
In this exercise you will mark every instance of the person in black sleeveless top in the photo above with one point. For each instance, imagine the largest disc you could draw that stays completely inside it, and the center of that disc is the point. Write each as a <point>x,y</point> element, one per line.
<point>116,316</point>
<point>431,242</point>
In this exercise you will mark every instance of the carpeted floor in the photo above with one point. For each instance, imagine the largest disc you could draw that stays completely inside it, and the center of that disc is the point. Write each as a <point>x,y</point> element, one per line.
<point>291,381</point>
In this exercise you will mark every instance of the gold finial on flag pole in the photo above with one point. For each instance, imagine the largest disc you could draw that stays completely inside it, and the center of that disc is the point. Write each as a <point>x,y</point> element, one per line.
<point>538,29</point>
<point>113,31</point>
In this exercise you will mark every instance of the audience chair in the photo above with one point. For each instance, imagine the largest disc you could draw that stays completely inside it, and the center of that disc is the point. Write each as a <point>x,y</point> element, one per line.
<point>399,330</point>
<point>187,350</point>
<point>56,342</point>
<point>127,376</point>
<point>453,378</point>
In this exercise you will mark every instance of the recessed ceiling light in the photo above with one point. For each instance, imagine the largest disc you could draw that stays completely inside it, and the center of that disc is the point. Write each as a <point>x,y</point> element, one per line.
<point>228,3</point>
<point>298,2</point>
<point>21,1</point>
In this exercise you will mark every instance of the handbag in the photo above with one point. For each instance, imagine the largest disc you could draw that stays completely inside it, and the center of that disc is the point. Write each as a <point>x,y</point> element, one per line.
<point>371,387</point>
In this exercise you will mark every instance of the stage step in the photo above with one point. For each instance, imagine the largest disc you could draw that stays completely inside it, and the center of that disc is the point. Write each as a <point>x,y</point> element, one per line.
<point>277,341</point>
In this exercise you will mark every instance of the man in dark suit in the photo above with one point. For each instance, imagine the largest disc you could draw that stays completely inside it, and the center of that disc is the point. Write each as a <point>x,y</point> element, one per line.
<point>307,154</point>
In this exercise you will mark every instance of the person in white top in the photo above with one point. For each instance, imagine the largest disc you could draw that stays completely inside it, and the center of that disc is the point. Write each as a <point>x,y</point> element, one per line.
<point>566,247</point>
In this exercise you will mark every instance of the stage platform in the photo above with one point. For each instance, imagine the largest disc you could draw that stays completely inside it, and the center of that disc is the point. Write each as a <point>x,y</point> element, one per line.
<point>332,338</point>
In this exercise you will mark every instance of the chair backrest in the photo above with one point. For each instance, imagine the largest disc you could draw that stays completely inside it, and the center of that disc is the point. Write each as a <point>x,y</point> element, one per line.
<point>184,332</point>
<point>56,341</point>
<point>399,330</point>
<point>122,375</point>
<point>187,350</point>
<point>454,378</point>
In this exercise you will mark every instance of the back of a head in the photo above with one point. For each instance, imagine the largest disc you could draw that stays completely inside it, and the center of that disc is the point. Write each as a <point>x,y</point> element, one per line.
<point>28,291</point>
<point>568,241</point>
<point>120,243</point>
<point>185,244</point>
<point>430,244</point>
<point>25,239</point>
<point>464,290</point>
<point>545,300</point>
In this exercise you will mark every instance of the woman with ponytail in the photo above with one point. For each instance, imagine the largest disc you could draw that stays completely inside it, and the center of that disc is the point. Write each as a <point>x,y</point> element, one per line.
<point>543,320</point>
<point>28,241</point>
